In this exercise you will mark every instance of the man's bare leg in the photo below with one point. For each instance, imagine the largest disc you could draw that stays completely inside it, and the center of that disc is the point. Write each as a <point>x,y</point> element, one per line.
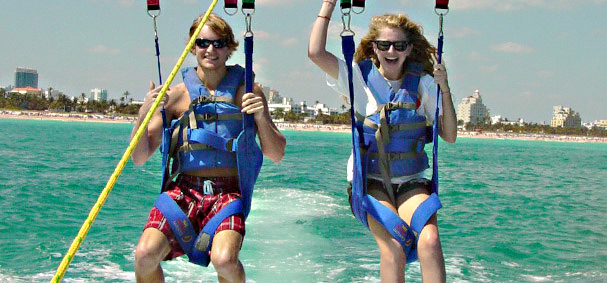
<point>224,256</point>
<point>153,246</point>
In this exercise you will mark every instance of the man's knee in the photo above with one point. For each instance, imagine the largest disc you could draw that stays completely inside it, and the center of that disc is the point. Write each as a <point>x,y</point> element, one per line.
<point>150,250</point>
<point>224,259</point>
<point>146,257</point>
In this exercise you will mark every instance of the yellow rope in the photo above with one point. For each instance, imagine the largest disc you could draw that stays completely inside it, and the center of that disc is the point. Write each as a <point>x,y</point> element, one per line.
<point>67,259</point>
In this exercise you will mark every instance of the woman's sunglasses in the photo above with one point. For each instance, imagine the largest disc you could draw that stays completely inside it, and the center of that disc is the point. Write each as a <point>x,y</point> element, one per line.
<point>205,43</point>
<point>384,45</point>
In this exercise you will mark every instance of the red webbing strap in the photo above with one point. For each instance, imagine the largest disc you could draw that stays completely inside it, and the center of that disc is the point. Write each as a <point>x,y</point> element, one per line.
<point>229,4</point>
<point>153,5</point>
<point>442,4</point>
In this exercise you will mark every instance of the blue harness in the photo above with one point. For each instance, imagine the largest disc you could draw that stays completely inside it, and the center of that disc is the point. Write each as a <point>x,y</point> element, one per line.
<point>389,142</point>
<point>212,133</point>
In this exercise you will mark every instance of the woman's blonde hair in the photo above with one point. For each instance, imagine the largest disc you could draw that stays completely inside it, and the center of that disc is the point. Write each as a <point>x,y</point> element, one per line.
<point>220,27</point>
<point>423,52</point>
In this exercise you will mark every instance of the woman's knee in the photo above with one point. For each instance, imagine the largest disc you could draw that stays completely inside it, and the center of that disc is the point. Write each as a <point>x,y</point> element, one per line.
<point>392,254</point>
<point>429,240</point>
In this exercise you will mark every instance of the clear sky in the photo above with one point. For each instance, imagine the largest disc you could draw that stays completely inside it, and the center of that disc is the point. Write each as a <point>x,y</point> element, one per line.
<point>525,56</point>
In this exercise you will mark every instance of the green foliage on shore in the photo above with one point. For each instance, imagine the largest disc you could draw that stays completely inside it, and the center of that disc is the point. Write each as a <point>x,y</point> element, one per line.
<point>533,128</point>
<point>63,104</point>
<point>290,116</point>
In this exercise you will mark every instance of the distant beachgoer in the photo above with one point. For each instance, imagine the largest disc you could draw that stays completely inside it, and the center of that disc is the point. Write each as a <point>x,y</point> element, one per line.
<point>394,54</point>
<point>213,95</point>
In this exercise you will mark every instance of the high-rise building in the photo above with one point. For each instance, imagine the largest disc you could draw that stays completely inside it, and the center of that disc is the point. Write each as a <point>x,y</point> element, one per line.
<point>274,96</point>
<point>565,117</point>
<point>99,94</point>
<point>472,110</point>
<point>25,77</point>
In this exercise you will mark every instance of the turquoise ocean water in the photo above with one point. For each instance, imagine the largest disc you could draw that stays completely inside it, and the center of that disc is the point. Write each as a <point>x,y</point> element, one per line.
<point>513,210</point>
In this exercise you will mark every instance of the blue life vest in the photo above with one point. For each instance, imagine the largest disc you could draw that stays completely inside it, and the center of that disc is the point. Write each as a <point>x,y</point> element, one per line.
<point>212,133</point>
<point>395,126</point>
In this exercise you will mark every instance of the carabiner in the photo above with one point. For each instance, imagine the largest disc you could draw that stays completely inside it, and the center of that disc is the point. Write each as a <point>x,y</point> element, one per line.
<point>345,19</point>
<point>247,21</point>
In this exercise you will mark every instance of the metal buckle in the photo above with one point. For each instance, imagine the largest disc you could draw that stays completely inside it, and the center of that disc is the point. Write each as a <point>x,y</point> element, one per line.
<point>210,116</point>
<point>229,145</point>
<point>391,156</point>
<point>203,242</point>
<point>203,99</point>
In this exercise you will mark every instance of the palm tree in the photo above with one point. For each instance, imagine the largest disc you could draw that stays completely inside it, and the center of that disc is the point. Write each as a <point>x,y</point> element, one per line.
<point>278,113</point>
<point>50,92</point>
<point>112,104</point>
<point>126,95</point>
<point>82,98</point>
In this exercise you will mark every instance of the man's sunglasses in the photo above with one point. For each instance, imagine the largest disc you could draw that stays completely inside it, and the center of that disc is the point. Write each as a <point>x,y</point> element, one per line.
<point>384,45</point>
<point>205,43</point>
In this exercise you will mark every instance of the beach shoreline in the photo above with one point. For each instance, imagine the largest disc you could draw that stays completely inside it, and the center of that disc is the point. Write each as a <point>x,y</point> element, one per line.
<point>98,118</point>
<point>460,134</point>
<point>66,117</point>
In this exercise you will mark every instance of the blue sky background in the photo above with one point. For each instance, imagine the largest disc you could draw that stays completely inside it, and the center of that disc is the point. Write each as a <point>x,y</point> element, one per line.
<point>525,56</point>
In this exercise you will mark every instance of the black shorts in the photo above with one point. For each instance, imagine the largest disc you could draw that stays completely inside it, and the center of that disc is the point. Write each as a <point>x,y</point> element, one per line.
<point>398,190</point>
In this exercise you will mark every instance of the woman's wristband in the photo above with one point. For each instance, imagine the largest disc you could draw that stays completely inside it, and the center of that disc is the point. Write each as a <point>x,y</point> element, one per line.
<point>324,17</point>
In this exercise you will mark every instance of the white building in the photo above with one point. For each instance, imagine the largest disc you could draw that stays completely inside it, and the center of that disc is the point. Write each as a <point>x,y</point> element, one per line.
<point>602,124</point>
<point>52,93</point>
<point>565,117</point>
<point>275,102</point>
<point>98,94</point>
<point>496,119</point>
<point>322,108</point>
<point>472,110</point>
<point>499,119</point>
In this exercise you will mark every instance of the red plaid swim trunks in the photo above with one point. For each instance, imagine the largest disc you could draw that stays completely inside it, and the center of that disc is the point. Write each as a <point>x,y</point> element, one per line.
<point>200,198</point>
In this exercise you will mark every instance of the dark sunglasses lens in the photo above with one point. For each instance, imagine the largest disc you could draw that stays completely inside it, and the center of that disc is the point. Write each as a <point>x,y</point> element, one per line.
<point>383,45</point>
<point>219,43</point>
<point>203,43</point>
<point>400,45</point>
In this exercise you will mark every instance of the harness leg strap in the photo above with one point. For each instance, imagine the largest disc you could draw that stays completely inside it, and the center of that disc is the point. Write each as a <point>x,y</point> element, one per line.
<point>197,251</point>
<point>398,228</point>
<point>424,211</point>
<point>202,245</point>
<point>180,225</point>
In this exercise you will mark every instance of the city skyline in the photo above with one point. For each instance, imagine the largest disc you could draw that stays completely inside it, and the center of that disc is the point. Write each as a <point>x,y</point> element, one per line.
<point>95,92</point>
<point>520,54</point>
